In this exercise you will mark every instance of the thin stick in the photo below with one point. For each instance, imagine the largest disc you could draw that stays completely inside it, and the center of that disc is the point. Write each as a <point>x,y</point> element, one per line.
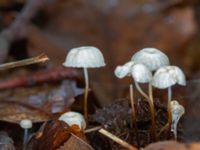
<point>86,94</point>
<point>117,140</point>
<point>169,111</point>
<point>24,62</point>
<point>152,109</point>
<point>134,114</point>
<point>92,129</point>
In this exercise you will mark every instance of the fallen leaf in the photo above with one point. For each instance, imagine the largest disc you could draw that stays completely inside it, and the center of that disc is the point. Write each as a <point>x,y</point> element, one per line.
<point>75,143</point>
<point>55,134</point>
<point>14,112</point>
<point>51,135</point>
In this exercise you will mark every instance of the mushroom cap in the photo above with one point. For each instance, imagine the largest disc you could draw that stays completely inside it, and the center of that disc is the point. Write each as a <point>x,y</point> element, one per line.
<point>141,73</point>
<point>125,70</point>
<point>84,57</point>
<point>151,57</point>
<point>168,76</point>
<point>26,124</point>
<point>177,111</point>
<point>73,118</point>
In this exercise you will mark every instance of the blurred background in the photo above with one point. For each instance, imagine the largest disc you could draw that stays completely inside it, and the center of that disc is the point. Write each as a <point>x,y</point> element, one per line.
<point>118,28</point>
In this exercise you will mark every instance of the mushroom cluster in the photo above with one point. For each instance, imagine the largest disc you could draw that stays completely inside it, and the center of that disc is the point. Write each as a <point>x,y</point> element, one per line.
<point>152,66</point>
<point>149,65</point>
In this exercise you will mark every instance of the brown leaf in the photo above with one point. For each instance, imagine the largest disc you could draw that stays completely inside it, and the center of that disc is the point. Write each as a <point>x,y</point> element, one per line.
<point>51,135</point>
<point>55,134</point>
<point>14,112</point>
<point>75,143</point>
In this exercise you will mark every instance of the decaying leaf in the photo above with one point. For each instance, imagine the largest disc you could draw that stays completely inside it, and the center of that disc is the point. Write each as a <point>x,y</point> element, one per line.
<point>75,143</point>
<point>14,112</point>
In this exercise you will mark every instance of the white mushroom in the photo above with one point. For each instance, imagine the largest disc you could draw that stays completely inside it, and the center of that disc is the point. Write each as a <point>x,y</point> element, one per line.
<point>177,112</point>
<point>166,77</point>
<point>85,57</point>
<point>141,73</point>
<point>124,70</point>
<point>151,57</point>
<point>73,118</point>
<point>25,124</point>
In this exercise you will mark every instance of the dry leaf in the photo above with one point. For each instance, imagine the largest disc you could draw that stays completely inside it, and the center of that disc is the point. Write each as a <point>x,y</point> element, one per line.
<point>75,143</point>
<point>14,112</point>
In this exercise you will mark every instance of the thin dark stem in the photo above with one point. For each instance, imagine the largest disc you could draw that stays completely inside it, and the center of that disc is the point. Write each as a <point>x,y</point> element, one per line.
<point>169,111</point>
<point>86,94</point>
<point>24,62</point>
<point>134,113</point>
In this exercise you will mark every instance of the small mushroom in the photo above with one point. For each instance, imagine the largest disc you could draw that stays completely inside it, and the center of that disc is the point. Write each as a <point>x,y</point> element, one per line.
<point>26,124</point>
<point>125,70</point>
<point>73,118</point>
<point>166,77</point>
<point>177,112</point>
<point>85,57</point>
<point>151,57</point>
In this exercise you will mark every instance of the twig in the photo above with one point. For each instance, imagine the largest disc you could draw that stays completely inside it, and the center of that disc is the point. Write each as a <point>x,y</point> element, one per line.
<point>92,129</point>
<point>41,58</point>
<point>117,140</point>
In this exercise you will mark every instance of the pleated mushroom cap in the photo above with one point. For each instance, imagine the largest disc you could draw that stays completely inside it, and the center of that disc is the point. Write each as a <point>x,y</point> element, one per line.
<point>151,57</point>
<point>141,73</point>
<point>168,76</point>
<point>73,118</point>
<point>124,70</point>
<point>84,57</point>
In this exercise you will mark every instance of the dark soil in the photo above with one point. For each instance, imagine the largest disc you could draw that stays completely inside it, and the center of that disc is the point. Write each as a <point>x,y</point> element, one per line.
<point>116,118</point>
